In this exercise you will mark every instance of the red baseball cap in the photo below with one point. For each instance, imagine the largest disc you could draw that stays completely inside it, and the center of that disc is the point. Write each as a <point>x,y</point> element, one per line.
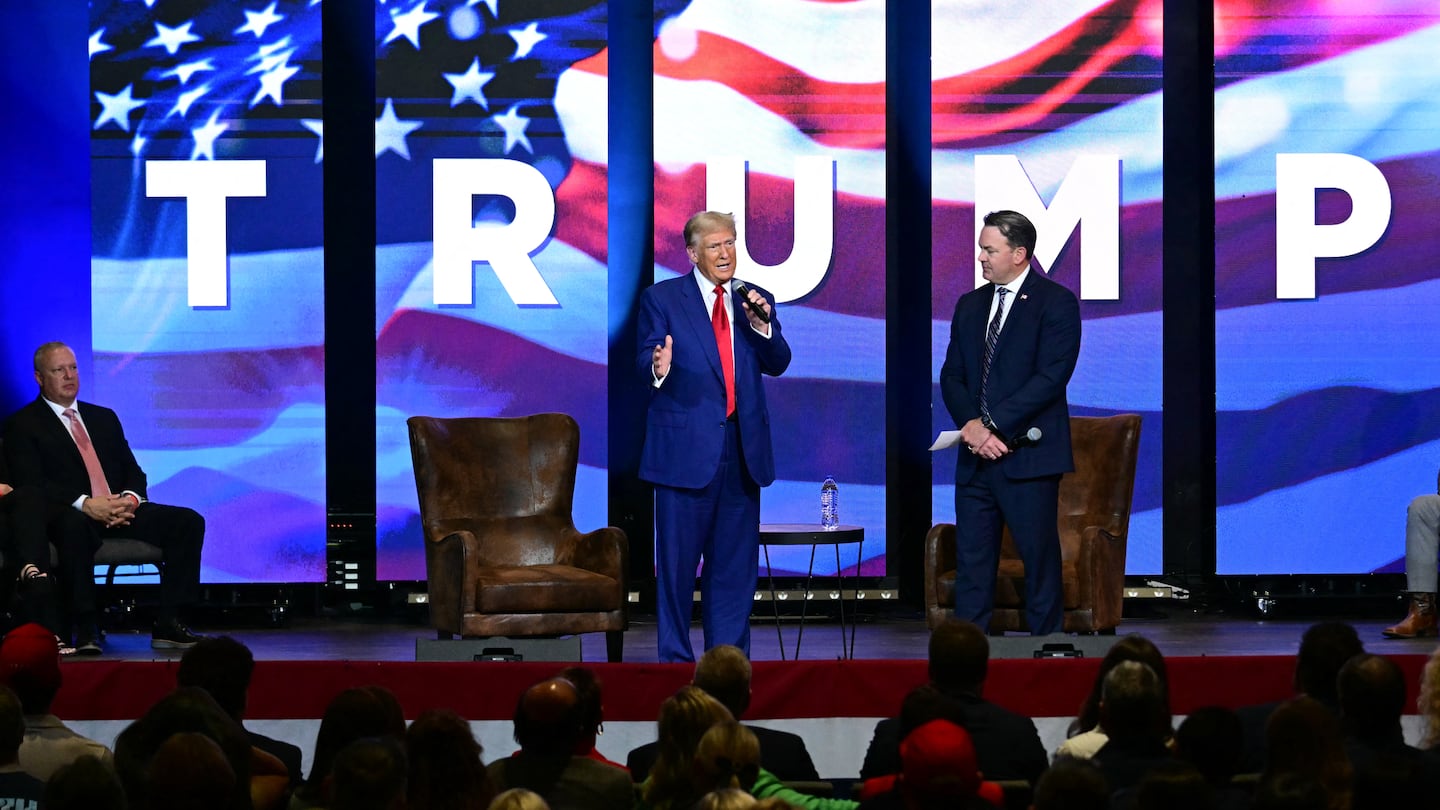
<point>30,651</point>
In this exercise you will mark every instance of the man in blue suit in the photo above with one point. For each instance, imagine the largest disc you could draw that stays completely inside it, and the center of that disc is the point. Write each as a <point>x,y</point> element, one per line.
<point>703,347</point>
<point>1013,346</point>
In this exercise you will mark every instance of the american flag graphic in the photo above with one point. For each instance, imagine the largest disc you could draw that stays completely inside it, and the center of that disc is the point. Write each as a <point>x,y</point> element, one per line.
<point>224,406</point>
<point>474,79</point>
<point>775,83</point>
<point>744,64</point>
<point>1326,425</point>
<point>1079,78</point>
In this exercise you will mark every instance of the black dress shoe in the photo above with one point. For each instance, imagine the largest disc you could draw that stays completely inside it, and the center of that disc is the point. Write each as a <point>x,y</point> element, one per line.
<point>88,643</point>
<point>173,635</point>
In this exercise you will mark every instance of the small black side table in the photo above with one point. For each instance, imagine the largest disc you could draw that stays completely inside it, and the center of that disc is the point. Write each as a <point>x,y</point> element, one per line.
<point>812,535</point>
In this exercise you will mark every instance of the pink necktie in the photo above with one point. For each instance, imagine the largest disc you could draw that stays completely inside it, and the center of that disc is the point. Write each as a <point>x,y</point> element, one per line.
<point>99,488</point>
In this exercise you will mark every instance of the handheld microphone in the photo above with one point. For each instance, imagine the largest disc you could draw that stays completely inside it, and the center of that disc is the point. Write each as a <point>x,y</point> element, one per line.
<point>744,293</point>
<point>1029,437</point>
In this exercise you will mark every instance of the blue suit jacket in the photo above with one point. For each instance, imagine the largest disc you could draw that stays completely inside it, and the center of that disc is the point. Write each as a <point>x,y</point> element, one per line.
<point>1033,362</point>
<point>685,423</point>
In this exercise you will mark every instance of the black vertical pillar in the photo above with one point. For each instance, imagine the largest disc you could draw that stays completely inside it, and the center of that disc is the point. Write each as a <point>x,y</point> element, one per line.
<point>1189,299</point>
<point>631,216</point>
<point>907,290</point>
<point>349,115</point>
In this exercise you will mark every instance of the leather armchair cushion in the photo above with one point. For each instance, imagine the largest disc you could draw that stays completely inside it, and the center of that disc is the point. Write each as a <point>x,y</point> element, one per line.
<point>544,589</point>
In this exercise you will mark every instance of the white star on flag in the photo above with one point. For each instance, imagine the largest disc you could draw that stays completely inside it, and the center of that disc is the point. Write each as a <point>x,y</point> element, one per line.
<point>316,126</point>
<point>266,50</point>
<point>172,38</point>
<point>407,25</point>
<point>390,132</point>
<point>117,108</point>
<point>205,137</point>
<point>185,70</point>
<point>182,104</point>
<point>470,84</point>
<point>271,56</point>
<point>97,45</point>
<point>514,125</point>
<point>257,21</point>
<point>272,84</point>
<point>526,39</point>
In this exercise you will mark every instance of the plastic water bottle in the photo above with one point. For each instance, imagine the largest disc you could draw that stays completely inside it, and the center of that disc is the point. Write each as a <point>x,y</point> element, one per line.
<point>829,505</point>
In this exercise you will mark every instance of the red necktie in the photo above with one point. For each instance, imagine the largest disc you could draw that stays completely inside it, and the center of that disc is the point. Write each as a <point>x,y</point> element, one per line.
<point>721,325</point>
<point>99,488</point>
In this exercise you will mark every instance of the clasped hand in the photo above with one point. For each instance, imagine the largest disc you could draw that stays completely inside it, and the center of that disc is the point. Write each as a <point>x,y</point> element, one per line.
<point>982,441</point>
<point>111,510</point>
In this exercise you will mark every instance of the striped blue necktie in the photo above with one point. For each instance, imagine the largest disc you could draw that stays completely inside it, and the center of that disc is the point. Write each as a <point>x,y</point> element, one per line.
<point>992,337</point>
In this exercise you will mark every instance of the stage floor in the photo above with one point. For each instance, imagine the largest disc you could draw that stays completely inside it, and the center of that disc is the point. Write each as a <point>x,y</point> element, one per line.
<point>888,634</point>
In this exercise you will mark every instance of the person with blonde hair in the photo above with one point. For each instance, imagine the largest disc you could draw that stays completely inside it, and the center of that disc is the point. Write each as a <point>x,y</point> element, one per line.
<point>519,799</point>
<point>728,756</point>
<point>726,799</point>
<point>724,673</point>
<point>684,718</point>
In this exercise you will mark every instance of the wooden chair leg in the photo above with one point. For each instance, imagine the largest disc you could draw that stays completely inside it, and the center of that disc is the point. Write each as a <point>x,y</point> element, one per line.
<point>614,646</point>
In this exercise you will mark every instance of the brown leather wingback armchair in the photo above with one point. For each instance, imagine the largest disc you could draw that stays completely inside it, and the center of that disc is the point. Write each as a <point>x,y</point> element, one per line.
<point>1094,522</point>
<point>502,553</point>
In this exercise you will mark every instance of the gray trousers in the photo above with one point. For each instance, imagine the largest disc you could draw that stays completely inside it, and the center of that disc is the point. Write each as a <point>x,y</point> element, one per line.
<point>1422,543</point>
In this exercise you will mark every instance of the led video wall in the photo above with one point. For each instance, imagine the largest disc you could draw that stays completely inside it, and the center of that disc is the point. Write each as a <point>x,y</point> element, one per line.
<point>1060,119</point>
<point>207,268</point>
<point>1327,120</point>
<point>491,277</point>
<point>776,112</point>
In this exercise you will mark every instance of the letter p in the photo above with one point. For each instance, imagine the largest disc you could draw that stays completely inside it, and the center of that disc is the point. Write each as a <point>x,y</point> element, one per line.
<point>1299,240</point>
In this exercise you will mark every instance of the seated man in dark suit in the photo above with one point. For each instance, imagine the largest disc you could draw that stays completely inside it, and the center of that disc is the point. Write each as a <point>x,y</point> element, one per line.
<point>27,553</point>
<point>723,672</point>
<point>1007,746</point>
<point>77,454</point>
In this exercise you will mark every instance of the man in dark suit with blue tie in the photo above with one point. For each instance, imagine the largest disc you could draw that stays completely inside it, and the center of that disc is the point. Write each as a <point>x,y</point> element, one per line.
<point>77,455</point>
<point>703,348</point>
<point>1013,345</point>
